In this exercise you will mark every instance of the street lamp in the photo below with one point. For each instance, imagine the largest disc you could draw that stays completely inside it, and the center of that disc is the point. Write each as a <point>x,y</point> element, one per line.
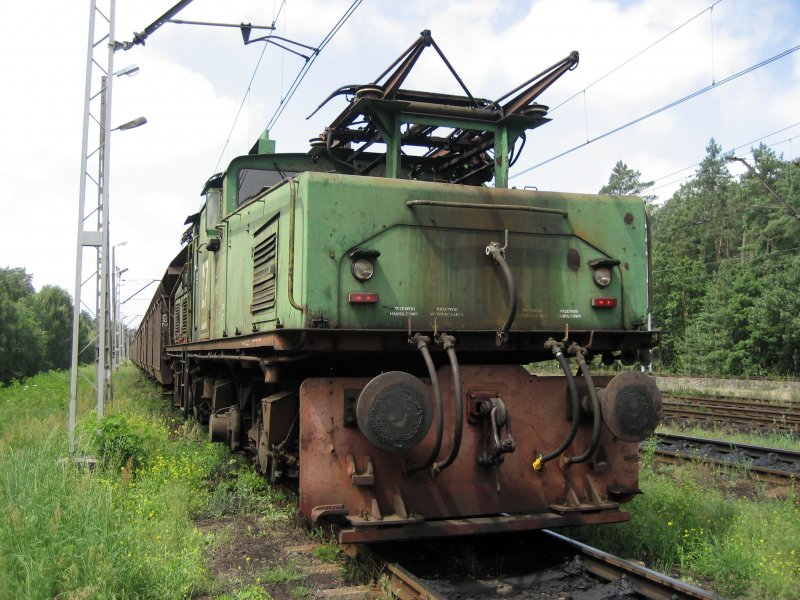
<point>137,122</point>
<point>128,71</point>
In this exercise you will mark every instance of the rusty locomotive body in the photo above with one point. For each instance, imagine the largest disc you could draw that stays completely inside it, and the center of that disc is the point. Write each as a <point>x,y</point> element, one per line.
<point>356,318</point>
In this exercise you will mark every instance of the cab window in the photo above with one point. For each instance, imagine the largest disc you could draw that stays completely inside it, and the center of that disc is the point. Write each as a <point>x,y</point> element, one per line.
<point>253,181</point>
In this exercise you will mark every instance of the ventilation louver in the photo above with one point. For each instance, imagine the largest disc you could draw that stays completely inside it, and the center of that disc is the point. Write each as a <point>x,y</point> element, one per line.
<point>264,275</point>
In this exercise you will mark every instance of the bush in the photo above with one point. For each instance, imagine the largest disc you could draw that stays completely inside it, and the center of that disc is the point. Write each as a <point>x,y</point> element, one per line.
<point>120,439</point>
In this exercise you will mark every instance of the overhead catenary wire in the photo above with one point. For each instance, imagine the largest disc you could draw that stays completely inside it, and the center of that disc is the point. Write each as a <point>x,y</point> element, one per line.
<point>246,93</point>
<point>307,65</point>
<point>239,111</point>
<point>635,56</point>
<point>734,149</point>
<point>664,108</point>
<point>691,175</point>
<point>297,81</point>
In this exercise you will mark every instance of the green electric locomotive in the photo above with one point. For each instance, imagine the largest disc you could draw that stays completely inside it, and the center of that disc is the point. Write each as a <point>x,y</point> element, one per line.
<point>357,316</point>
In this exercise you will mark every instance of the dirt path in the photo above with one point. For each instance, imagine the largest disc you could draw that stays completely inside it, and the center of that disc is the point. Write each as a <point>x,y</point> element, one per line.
<point>253,557</point>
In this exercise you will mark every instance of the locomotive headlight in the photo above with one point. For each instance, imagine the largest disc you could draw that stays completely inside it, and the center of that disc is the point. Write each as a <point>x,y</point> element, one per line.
<point>363,265</point>
<point>602,276</point>
<point>362,269</point>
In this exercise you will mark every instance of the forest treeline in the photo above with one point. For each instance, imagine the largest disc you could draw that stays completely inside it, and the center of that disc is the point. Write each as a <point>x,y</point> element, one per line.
<point>726,267</point>
<point>36,327</point>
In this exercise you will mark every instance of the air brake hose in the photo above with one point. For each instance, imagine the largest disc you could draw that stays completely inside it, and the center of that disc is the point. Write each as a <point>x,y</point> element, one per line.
<point>422,344</point>
<point>595,407</point>
<point>576,408</point>
<point>497,254</point>
<point>448,342</point>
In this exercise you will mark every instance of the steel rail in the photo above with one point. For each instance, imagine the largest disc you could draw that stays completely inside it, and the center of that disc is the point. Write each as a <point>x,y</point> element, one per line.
<point>406,586</point>
<point>684,448</point>
<point>779,416</point>
<point>606,567</point>
<point>642,580</point>
<point>403,584</point>
<point>776,422</point>
<point>769,405</point>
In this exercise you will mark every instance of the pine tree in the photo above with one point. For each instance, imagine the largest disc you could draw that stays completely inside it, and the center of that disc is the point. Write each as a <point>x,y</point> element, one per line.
<point>624,181</point>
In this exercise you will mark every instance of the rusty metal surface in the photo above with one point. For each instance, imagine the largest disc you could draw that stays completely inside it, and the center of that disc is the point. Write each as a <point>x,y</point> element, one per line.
<point>377,111</point>
<point>465,489</point>
<point>371,340</point>
<point>632,406</point>
<point>394,411</point>
<point>479,525</point>
<point>148,346</point>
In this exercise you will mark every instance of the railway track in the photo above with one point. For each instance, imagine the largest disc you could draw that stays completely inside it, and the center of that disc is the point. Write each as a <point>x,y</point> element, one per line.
<point>742,413</point>
<point>767,464</point>
<point>542,564</point>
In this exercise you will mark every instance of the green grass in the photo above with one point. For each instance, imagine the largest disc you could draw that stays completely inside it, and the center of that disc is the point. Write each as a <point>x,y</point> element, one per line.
<point>282,574</point>
<point>124,530</point>
<point>328,552</point>
<point>251,592</point>
<point>741,547</point>
<point>246,492</point>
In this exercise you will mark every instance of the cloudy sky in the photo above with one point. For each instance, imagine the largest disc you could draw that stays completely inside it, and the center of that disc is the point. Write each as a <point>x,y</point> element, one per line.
<point>193,81</point>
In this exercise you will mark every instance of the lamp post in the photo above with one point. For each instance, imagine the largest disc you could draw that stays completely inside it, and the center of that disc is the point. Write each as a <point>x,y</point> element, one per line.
<point>97,238</point>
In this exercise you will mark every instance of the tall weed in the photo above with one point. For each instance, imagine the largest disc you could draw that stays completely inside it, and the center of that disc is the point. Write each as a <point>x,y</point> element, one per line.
<point>123,530</point>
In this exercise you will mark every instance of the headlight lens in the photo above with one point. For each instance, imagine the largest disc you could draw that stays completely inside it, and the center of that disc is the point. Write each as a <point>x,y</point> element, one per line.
<point>362,269</point>
<point>602,276</point>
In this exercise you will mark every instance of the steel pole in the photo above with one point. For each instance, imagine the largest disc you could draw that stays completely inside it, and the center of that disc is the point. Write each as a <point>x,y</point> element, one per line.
<point>76,311</point>
<point>104,376</point>
<point>102,258</point>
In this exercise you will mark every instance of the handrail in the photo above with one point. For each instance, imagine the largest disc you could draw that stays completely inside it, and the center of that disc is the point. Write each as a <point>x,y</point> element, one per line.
<point>441,203</point>
<point>292,202</point>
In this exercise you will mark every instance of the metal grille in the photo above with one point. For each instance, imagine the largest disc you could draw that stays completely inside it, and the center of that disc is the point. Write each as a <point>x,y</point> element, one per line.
<point>264,274</point>
<point>176,321</point>
<point>180,319</point>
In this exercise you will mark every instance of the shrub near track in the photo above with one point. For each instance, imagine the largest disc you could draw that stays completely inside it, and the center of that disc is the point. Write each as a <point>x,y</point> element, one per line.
<point>124,530</point>
<point>684,523</point>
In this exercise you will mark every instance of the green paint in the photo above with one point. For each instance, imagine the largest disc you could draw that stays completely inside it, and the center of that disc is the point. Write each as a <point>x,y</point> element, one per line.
<point>432,266</point>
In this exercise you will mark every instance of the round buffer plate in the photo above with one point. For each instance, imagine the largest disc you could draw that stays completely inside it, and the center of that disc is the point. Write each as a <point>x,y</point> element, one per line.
<point>631,406</point>
<point>394,411</point>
